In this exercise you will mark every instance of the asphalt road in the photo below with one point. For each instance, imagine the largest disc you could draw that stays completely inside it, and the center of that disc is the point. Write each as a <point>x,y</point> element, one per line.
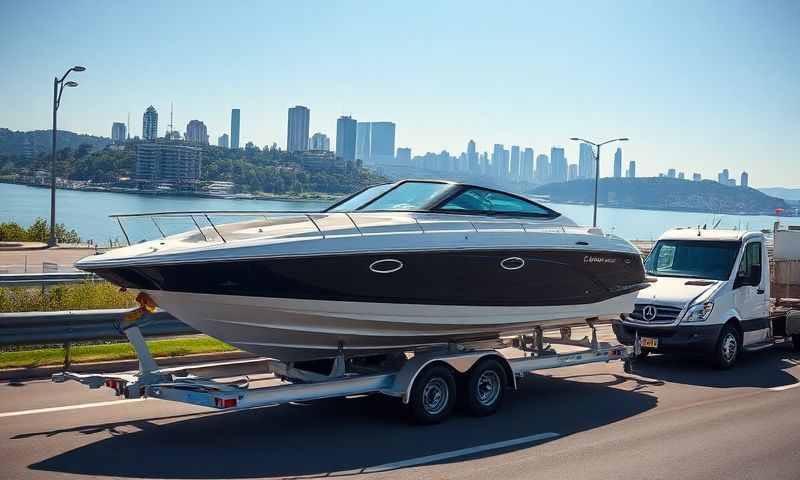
<point>675,418</point>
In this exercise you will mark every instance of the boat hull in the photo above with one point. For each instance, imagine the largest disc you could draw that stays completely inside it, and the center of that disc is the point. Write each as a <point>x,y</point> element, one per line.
<point>303,329</point>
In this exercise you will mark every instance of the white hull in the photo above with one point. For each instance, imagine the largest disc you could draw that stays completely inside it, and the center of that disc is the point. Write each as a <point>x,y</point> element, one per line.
<point>298,329</point>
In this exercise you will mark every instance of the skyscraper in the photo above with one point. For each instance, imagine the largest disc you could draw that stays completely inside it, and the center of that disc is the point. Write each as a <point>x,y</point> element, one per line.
<point>618,163</point>
<point>472,158</point>
<point>234,128</point>
<point>403,156</point>
<point>297,131</point>
<point>723,177</point>
<point>632,169</point>
<point>497,159</point>
<point>346,138</point>
<point>573,171</point>
<point>223,141</point>
<point>319,141</point>
<point>526,165</point>
<point>542,169</point>
<point>558,165</point>
<point>363,141</point>
<point>150,123</point>
<point>382,142</point>
<point>514,161</point>
<point>586,162</point>
<point>196,132</point>
<point>745,181</point>
<point>118,131</point>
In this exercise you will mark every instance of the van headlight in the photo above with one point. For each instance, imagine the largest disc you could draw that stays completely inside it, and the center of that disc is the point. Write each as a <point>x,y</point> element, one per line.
<point>699,313</point>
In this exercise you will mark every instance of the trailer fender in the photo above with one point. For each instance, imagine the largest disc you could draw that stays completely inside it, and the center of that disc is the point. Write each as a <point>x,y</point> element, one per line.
<point>460,362</point>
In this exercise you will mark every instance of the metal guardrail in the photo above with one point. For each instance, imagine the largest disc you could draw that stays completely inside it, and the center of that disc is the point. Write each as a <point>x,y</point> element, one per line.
<point>31,328</point>
<point>43,279</point>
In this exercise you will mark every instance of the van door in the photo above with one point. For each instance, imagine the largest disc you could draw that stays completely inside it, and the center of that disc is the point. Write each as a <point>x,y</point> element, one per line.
<point>750,295</point>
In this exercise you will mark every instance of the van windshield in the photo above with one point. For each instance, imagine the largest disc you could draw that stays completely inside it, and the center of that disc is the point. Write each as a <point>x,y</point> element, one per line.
<point>695,259</point>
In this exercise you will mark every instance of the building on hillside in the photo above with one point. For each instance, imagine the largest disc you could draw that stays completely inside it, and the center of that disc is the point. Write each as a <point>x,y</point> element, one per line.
<point>618,163</point>
<point>526,165</point>
<point>671,173</point>
<point>745,180</point>
<point>363,140</point>
<point>321,160</point>
<point>542,173</point>
<point>168,163</point>
<point>631,169</point>
<point>235,119</point>
<point>731,182</point>
<point>223,141</point>
<point>586,162</point>
<point>696,177</point>
<point>150,124</point>
<point>558,165</point>
<point>573,171</point>
<point>473,164</point>
<point>403,156</point>
<point>514,164</point>
<point>382,137</point>
<point>319,141</point>
<point>118,132</point>
<point>196,132</point>
<point>723,177</point>
<point>346,138</point>
<point>297,129</point>
<point>681,176</point>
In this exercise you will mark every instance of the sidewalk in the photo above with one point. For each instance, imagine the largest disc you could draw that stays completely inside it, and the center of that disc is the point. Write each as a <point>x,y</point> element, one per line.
<point>36,258</point>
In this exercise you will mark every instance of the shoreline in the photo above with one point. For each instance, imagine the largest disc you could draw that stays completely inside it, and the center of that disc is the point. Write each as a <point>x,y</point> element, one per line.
<point>681,210</point>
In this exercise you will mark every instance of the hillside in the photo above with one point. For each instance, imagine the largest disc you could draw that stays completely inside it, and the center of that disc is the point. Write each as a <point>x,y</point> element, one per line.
<point>13,142</point>
<point>665,194</point>
<point>792,194</point>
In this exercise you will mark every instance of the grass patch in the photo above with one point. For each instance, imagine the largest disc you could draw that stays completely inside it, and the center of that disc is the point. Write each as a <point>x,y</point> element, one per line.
<point>79,296</point>
<point>171,347</point>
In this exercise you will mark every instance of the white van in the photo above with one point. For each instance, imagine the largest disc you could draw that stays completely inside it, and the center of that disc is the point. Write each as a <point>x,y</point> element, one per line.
<point>710,294</point>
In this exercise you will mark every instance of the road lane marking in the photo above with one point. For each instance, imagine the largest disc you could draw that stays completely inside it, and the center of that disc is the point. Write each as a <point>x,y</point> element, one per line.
<point>68,407</point>
<point>459,453</point>
<point>785,387</point>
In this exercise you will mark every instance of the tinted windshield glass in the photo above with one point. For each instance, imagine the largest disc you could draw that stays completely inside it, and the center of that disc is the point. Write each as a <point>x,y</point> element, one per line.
<point>359,199</point>
<point>687,258</point>
<point>409,196</point>
<point>482,200</point>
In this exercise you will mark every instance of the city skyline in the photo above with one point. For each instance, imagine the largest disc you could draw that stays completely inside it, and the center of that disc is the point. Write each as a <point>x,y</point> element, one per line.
<point>711,103</point>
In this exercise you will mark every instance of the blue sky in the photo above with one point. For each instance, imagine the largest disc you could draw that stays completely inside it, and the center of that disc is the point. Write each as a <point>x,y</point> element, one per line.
<point>696,85</point>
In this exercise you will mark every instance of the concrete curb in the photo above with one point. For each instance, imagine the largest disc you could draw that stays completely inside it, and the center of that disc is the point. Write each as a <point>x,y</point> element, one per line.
<point>34,373</point>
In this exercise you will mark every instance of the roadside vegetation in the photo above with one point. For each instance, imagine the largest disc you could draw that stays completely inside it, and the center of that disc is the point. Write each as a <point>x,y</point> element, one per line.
<point>80,296</point>
<point>171,347</point>
<point>39,231</point>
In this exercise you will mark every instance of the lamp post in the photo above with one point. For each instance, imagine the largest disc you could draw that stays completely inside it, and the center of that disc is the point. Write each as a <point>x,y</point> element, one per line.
<point>597,168</point>
<point>58,88</point>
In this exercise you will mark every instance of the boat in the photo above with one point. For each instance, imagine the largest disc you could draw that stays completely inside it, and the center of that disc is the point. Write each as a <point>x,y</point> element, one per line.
<point>397,267</point>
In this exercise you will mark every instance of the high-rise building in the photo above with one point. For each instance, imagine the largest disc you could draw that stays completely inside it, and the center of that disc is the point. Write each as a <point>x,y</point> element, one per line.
<point>526,165</point>
<point>150,124</point>
<point>696,177</point>
<point>235,128</point>
<point>472,158</point>
<point>573,171</point>
<point>363,141</point>
<point>671,173</point>
<point>514,161</point>
<point>723,177</point>
<point>346,138</point>
<point>223,140</point>
<point>632,169</point>
<point>163,162</point>
<point>618,163</point>
<point>297,131</point>
<point>403,155</point>
<point>542,169</point>
<point>485,166</point>
<point>319,141</point>
<point>382,143</point>
<point>558,165</point>
<point>118,132</point>
<point>497,159</point>
<point>196,132</point>
<point>586,162</point>
<point>745,180</point>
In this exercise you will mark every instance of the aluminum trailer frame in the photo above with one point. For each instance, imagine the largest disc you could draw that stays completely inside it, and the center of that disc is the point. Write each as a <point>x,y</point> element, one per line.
<point>177,385</point>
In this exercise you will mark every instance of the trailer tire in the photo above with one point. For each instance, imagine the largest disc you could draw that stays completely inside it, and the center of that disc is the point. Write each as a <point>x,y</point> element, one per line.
<point>433,395</point>
<point>727,349</point>
<point>486,385</point>
<point>796,342</point>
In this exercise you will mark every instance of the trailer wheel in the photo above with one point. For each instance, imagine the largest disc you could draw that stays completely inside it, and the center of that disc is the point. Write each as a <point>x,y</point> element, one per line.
<point>727,348</point>
<point>486,386</point>
<point>796,342</point>
<point>433,395</point>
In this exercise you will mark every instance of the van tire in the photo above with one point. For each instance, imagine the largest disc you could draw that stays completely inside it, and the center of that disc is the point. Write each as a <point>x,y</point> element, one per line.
<point>727,349</point>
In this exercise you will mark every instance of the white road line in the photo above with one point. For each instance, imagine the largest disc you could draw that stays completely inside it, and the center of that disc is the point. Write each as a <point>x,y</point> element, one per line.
<point>785,387</point>
<point>459,453</point>
<point>68,407</point>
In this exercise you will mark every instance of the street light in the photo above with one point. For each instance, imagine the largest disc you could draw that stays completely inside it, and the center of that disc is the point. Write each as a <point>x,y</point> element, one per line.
<point>58,88</point>
<point>597,168</point>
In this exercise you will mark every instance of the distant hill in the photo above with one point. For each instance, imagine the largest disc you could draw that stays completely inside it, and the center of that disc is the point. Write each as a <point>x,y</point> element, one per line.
<point>13,142</point>
<point>665,194</point>
<point>783,192</point>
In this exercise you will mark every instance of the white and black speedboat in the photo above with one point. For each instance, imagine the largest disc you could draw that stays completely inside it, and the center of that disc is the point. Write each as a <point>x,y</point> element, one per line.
<point>395,267</point>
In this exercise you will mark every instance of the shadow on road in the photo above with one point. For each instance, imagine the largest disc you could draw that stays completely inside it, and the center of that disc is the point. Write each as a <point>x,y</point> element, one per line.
<point>764,369</point>
<point>339,435</point>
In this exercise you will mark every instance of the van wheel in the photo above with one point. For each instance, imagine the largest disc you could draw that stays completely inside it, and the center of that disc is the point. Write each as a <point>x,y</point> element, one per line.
<point>796,342</point>
<point>433,395</point>
<point>727,349</point>
<point>486,386</point>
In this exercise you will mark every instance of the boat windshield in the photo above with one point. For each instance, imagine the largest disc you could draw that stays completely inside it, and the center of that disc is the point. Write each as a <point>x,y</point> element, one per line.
<point>695,259</point>
<point>409,196</point>
<point>481,200</point>
<point>360,198</point>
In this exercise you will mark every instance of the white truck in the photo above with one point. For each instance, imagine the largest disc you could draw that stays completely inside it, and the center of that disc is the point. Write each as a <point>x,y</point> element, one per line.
<point>710,294</point>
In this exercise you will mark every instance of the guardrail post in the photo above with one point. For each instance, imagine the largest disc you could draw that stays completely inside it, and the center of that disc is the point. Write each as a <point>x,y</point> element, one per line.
<point>67,355</point>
